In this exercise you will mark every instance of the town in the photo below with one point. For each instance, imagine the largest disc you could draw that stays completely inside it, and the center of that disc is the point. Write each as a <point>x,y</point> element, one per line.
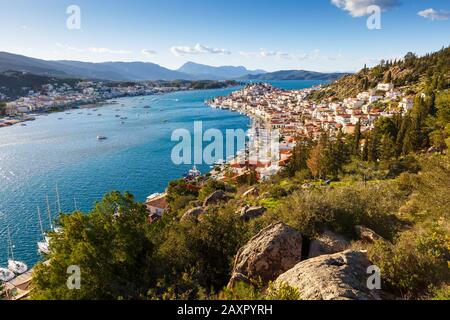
<point>57,97</point>
<point>293,114</point>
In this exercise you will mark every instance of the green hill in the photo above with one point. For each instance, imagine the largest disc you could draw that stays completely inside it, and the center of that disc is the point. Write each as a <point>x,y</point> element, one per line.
<point>413,73</point>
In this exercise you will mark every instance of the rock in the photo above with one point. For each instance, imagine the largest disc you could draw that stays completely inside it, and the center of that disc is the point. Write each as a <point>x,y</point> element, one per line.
<point>367,235</point>
<point>271,252</point>
<point>248,213</point>
<point>192,214</point>
<point>327,243</point>
<point>251,192</point>
<point>215,198</point>
<point>341,276</point>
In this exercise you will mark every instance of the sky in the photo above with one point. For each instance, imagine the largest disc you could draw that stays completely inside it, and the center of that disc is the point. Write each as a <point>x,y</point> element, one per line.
<point>319,35</point>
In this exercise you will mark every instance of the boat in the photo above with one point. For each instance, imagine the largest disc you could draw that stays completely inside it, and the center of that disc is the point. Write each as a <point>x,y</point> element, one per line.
<point>17,267</point>
<point>6,275</point>
<point>43,246</point>
<point>123,118</point>
<point>101,138</point>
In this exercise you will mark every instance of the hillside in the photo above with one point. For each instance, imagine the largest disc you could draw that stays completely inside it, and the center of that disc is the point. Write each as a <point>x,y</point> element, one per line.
<point>15,84</point>
<point>202,71</point>
<point>295,75</point>
<point>413,73</point>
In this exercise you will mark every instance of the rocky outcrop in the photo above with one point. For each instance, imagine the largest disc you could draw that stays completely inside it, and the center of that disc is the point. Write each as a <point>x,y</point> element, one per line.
<point>327,243</point>
<point>215,198</point>
<point>192,214</point>
<point>271,252</point>
<point>248,213</point>
<point>367,235</point>
<point>341,276</point>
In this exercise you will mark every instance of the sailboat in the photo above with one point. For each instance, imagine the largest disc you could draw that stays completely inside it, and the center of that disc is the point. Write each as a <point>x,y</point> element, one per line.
<point>6,275</point>
<point>17,267</point>
<point>43,246</point>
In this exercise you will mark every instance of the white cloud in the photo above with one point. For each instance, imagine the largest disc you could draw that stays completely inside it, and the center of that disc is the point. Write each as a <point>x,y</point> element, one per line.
<point>434,14</point>
<point>358,8</point>
<point>149,52</point>
<point>92,49</point>
<point>198,49</point>
<point>69,48</point>
<point>263,53</point>
<point>107,51</point>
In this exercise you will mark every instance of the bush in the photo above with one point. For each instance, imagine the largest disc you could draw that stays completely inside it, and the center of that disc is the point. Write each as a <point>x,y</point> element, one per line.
<point>343,208</point>
<point>415,263</point>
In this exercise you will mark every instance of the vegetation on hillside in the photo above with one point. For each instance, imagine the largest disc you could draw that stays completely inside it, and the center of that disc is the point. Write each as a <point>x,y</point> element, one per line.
<point>414,74</point>
<point>394,179</point>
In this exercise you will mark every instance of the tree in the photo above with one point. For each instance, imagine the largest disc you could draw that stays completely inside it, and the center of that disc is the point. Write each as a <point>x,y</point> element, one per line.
<point>111,245</point>
<point>299,158</point>
<point>357,140</point>
<point>317,162</point>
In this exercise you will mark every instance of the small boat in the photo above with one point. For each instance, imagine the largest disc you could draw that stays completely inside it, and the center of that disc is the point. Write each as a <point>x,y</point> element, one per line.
<point>6,275</point>
<point>60,118</point>
<point>123,118</point>
<point>147,107</point>
<point>43,246</point>
<point>17,267</point>
<point>117,116</point>
<point>99,115</point>
<point>23,124</point>
<point>101,138</point>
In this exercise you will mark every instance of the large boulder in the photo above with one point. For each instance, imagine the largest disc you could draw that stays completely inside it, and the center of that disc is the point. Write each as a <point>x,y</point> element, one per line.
<point>327,243</point>
<point>248,213</point>
<point>341,276</point>
<point>271,252</point>
<point>215,198</point>
<point>192,214</point>
<point>367,235</point>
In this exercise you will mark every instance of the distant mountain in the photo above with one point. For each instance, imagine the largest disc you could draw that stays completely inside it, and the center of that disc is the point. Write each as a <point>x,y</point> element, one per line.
<point>295,75</point>
<point>119,71</point>
<point>201,71</point>
<point>135,71</point>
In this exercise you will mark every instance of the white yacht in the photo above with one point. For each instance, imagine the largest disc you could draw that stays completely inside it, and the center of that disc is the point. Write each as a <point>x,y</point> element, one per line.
<point>6,275</point>
<point>43,246</point>
<point>17,267</point>
<point>101,138</point>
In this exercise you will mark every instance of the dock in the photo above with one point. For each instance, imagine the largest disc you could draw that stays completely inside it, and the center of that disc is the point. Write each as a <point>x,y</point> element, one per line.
<point>20,287</point>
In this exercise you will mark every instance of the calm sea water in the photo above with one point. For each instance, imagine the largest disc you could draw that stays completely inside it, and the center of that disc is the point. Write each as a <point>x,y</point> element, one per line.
<point>62,149</point>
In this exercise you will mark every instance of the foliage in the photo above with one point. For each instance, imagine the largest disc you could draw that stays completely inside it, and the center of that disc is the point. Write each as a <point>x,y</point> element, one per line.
<point>416,262</point>
<point>341,209</point>
<point>112,247</point>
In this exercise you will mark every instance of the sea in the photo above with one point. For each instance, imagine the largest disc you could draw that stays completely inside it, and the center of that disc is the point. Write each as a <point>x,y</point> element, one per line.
<point>61,151</point>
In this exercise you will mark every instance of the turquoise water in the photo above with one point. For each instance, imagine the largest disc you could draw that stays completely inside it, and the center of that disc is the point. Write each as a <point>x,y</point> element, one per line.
<point>62,149</point>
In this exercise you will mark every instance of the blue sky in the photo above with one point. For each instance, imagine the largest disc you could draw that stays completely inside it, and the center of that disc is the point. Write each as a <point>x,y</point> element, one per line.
<point>321,35</point>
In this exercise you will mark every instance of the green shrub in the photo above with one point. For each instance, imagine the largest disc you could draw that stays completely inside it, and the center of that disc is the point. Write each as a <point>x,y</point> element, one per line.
<point>343,208</point>
<point>416,262</point>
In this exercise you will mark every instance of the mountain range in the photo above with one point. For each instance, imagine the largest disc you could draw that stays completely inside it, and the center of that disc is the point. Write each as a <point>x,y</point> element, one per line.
<point>136,71</point>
